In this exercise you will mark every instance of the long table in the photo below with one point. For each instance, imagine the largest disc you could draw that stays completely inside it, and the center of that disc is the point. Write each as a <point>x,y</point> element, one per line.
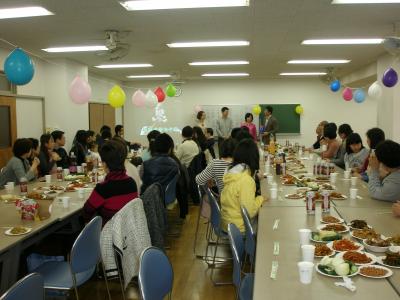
<point>11,247</point>
<point>292,216</point>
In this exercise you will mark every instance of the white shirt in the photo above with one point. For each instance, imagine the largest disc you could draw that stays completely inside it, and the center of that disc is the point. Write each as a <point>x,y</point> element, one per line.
<point>186,152</point>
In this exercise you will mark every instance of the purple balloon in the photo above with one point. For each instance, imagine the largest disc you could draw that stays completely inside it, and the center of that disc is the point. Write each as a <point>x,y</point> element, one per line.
<point>390,78</point>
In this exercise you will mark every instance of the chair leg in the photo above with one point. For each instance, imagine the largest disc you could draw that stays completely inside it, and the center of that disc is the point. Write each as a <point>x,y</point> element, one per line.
<point>197,228</point>
<point>117,261</point>
<point>106,281</point>
<point>216,283</point>
<point>75,287</point>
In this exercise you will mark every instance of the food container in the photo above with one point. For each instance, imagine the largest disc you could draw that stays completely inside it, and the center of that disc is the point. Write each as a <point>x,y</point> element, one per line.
<point>29,209</point>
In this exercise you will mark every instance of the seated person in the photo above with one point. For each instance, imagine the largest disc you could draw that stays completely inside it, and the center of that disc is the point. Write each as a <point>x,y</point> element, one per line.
<point>94,152</point>
<point>320,134</point>
<point>216,169</point>
<point>344,131</point>
<point>80,148</point>
<point>386,162</point>
<point>117,189</point>
<point>188,149</point>
<point>161,167</point>
<point>210,141</point>
<point>18,166</point>
<point>59,143</point>
<point>48,158</point>
<point>119,133</point>
<point>91,136</point>
<point>151,137</point>
<point>396,209</point>
<point>356,153</point>
<point>330,141</point>
<point>239,185</point>
<point>99,138</point>
<point>35,149</point>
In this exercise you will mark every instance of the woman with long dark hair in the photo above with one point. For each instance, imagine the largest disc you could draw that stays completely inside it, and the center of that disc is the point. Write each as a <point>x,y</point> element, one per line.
<point>79,147</point>
<point>48,158</point>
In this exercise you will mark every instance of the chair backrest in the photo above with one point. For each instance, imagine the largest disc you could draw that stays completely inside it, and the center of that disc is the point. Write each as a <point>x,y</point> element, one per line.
<point>215,212</point>
<point>85,253</point>
<point>237,247</point>
<point>30,287</point>
<point>155,274</point>
<point>250,242</point>
<point>170,191</point>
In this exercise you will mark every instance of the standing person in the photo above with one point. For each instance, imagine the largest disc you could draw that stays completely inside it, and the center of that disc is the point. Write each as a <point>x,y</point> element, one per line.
<point>48,158</point>
<point>59,143</point>
<point>188,149</point>
<point>248,122</point>
<point>344,131</point>
<point>223,127</point>
<point>271,125</point>
<point>79,147</point>
<point>119,133</point>
<point>201,120</point>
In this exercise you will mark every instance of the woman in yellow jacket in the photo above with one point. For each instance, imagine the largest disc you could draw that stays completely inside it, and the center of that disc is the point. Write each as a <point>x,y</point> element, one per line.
<point>239,185</point>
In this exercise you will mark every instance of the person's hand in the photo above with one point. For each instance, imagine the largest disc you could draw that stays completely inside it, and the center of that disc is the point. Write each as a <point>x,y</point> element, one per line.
<point>396,209</point>
<point>373,163</point>
<point>35,162</point>
<point>260,175</point>
<point>55,156</point>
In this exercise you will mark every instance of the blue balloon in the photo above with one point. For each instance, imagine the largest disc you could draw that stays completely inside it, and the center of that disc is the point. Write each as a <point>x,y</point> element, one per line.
<point>335,85</point>
<point>359,96</point>
<point>18,67</point>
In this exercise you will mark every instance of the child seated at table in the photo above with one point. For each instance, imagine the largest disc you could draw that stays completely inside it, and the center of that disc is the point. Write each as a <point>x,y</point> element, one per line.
<point>356,153</point>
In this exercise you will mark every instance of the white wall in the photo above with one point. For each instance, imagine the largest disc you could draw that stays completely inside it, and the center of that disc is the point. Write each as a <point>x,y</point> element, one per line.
<point>318,101</point>
<point>28,126</point>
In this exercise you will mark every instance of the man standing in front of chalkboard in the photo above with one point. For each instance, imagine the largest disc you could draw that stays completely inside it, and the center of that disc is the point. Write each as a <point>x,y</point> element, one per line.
<point>271,125</point>
<point>223,127</point>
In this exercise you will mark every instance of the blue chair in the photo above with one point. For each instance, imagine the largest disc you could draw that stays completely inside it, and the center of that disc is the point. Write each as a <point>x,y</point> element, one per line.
<point>244,286</point>
<point>85,254</point>
<point>30,287</point>
<point>170,191</point>
<point>155,274</point>
<point>250,241</point>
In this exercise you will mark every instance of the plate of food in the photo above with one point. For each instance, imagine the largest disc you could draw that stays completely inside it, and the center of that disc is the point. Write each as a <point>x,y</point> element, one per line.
<point>376,272</point>
<point>337,196</point>
<point>322,250</point>
<point>362,234</point>
<point>72,187</point>
<point>395,240</point>
<point>380,244</point>
<point>8,198</point>
<point>72,177</point>
<point>345,245</point>
<point>289,181</point>
<point>339,228</point>
<point>17,230</point>
<point>331,220</point>
<point>358,258</point>
<point>322,179</point>
<point>325,236</point>
<point>359,224</point>
<point>336,267</point>
<point>327,187</point>
<point>391,259</point>
<point>39,196</point>
<point>295,196</point>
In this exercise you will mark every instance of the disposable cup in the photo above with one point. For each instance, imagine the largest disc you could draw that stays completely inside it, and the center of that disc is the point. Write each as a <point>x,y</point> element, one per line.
<point>333,177</point>
<point>347,174</point>
<point>65,201</point>
<point>354,181</point>
<point>273,193</point>
<point>308,252</point>
<point>304,236</point>
<point>353,193</point>
<point>48,178</point>
<point>305,271</point>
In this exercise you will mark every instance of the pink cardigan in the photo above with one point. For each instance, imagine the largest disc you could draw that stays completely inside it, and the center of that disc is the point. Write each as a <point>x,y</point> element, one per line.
<point>252,129</point>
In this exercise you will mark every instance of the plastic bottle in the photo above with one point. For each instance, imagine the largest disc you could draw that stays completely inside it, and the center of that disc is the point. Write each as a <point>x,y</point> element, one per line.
<point>59,174</point>
<point>310,203</point>
<point>23,184</point>
<point>73,164</point>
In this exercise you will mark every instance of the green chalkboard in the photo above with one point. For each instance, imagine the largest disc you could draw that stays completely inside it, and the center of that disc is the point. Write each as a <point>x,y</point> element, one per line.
<point>288,119</point>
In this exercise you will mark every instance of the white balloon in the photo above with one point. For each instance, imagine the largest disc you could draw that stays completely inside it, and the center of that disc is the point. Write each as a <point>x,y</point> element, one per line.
<point>151,99</point>
<point>375,90</point>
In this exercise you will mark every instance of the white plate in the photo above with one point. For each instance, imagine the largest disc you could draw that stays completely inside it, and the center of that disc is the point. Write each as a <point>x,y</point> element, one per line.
<point>376,248</point>
<point>361,247</point>
<point>287,197</point>
<point>332,254</point>
<point>336,198</point>
<point>319,227</point>
<point>353,228</point>
<point>355,237</point>
<point>389,272</point>
<point>340,221</point>
<point>335,276</point>
<point>380,259</point>
<point>370,255</point>
<point>8,232</point>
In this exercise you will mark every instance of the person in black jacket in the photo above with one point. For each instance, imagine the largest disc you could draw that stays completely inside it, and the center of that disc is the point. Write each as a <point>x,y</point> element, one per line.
<point>59,143</point>
<point>79,147</point>
<point>47,156</point>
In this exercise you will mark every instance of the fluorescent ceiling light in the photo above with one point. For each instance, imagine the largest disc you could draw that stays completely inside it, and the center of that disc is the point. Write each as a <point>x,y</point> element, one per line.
<point>121,66</point>
<point>23,12</point>
<point>365,1</point>
<point>219,63</point>
<point>318,61</point>
<point>209,44</point>
<point>177,4</point>
<point>225,74</point>
<point>303,73</point>
<point>342,42</point>
<point>76,49</point>
<point>150,76</point>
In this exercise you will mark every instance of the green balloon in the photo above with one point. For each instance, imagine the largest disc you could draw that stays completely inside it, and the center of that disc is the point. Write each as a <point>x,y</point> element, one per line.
<point>171,90</point>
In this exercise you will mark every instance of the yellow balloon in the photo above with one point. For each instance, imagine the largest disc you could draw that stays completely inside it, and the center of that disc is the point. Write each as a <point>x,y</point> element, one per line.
<point>256,109</point>
<point>116,96</point>
<point>299,110</point>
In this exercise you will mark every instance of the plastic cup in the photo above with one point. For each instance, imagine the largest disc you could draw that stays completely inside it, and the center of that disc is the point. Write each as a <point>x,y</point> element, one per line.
<point>333,177</point>
<point>81,193</point>
<point>319,159</point>
<point>48,178</point>
<point>354,181</point>
<point>66,172</point>
<point>11,184</point>
<point>304,235</point>
<point>308,252</point>
<point>270,179</point>
<point>353,193</point>
<point>65,201</point>
<point>9,188</point>
<point>347,174</point>
<point>305,271</point>
<point>79,169</point>
<point>324,148</point>
<point>273,193</point>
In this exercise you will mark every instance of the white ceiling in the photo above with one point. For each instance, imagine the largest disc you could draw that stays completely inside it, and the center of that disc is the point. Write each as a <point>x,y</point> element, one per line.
<point>275,29</point>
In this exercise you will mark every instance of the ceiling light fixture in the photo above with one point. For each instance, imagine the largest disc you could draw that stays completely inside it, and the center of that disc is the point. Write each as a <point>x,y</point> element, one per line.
<point>24,12</point>
<point>209,44</point>
<point>178,4</point>
<point>75,49</point>
<point>150,76</point>
<point>122,66</point>
<point>225,74</point>
<point>219,63</point>
<point>303,73</point>
<point>343,41</point>
<point>365,1</point>
<point>318,61</point>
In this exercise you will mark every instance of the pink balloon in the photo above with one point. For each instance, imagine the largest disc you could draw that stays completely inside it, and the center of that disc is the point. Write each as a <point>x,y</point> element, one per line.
<point>139,98</point>
<point>80,91</point>
<point>347,94</point>
<point>198,108</point>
